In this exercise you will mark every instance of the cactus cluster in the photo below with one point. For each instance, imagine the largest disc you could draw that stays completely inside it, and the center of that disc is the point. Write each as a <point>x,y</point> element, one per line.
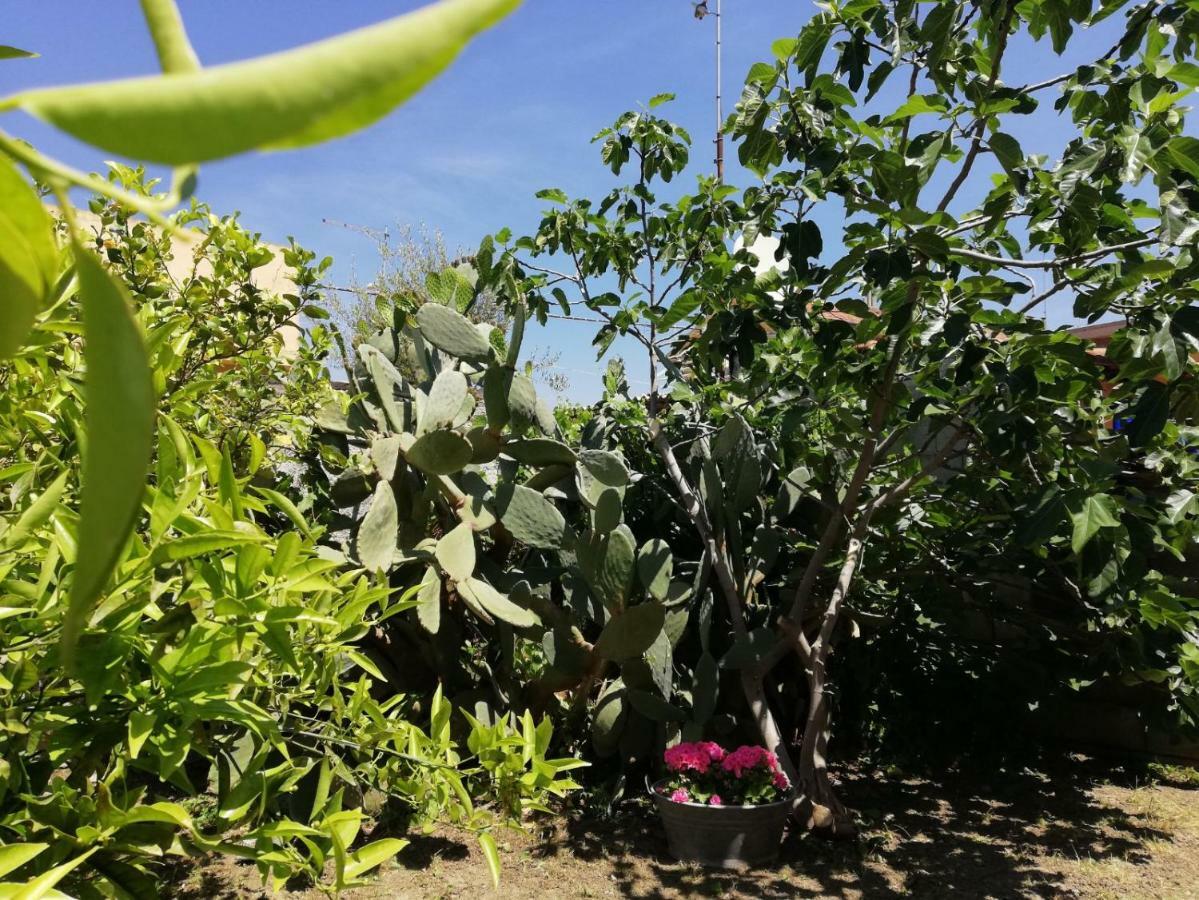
<point>454,480</point>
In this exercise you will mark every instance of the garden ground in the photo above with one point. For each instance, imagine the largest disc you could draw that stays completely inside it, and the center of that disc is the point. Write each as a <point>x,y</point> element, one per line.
<point>1071,831</point>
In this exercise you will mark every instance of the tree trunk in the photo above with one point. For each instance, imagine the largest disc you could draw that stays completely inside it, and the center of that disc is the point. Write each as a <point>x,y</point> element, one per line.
<point>817,800</point>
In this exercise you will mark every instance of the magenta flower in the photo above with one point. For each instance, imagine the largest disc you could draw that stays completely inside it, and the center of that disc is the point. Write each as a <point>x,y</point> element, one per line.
<point>688,757</point>
<point>715,800</point>
<point>749,757</point>
<point>715,751</point>
<point>781,782</point>
<point>680,796</point>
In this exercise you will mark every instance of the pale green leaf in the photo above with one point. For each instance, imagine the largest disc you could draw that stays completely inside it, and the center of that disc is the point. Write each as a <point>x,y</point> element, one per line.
<point>378,532</point>
<point>290,99</point>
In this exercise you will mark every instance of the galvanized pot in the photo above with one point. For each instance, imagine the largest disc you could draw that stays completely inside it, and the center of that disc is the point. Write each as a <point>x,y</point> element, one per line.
<point>728,837</point>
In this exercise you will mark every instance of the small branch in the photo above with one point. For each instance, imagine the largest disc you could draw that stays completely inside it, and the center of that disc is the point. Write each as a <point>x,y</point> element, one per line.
<point>1051,263</point>
<point>980,126</point>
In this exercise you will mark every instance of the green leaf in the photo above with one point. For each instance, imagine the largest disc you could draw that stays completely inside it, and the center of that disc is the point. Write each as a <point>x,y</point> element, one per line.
<point>654,707</point>
<point>451,288</point>
<point>28,257</point>
<point>191,545</point>
<point>290,99</point>
<point>43,885</point>
<point>530,517</point>
<point>492,854</point>
<point>120,436</point>
<point>175,53</point>
<point>705,688</point>
<point>497,604</point>
<point>1098,511</point>
<point>1186,73</point>
<point>540,452</point>
<point>373,854</point>
<point>7,52</point>
<point>915,105</point>
<point>13,856</point>
<point>140,725</point>
<point>812,40</point>
<point>428,610</point>
<point>658,99</point>
<point>654,566</point>
<point>1008,151</point>
<point>683,306</point>
<point>440,452</point>
<point>607,722</point>
<point>630,633</point>
<point>36,514</point>
<point>456,552</point>
<point>1150,414</point>
<point>377,535</point>
<point>455,334</point>
<point>1184,151</point>
<point>446,396</point>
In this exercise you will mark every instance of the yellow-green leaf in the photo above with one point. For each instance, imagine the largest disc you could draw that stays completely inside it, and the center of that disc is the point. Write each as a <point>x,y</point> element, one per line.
<point>28,257</point>
<point>13,856</point>
<point>372,855</point>
<point>492,854</point>
<point>120,435</point>
<point>175,53</point>
<point>140,726</point>
<point>290,99</point>
<point>43,885</point>
<point>36,514</point>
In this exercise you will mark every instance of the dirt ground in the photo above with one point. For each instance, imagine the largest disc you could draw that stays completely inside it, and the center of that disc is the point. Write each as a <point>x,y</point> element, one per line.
<point>1079,832</point>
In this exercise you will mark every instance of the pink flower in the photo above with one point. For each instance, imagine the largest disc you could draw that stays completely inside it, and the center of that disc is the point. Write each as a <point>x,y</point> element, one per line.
<point>715,751</point>
<point>715,800</point>
<point>749,757</point>
<point>691,757</point>
<point>680,795</point>
<point>781,782</point>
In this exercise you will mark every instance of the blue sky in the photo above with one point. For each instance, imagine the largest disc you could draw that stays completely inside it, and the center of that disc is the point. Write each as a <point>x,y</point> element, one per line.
<point>515,114</point>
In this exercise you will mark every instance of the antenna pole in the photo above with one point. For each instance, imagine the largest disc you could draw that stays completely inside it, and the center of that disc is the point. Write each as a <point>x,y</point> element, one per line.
<point>719,110</point>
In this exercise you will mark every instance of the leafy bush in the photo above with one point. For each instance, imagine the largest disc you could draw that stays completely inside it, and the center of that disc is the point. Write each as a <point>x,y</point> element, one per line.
<point>224,661</point>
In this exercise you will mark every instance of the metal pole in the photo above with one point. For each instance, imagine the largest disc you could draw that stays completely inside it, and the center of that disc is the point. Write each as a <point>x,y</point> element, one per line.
<point>719,111</point>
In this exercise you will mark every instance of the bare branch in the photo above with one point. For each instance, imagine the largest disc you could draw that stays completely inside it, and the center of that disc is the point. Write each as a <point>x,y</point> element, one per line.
<point>1051,263</point>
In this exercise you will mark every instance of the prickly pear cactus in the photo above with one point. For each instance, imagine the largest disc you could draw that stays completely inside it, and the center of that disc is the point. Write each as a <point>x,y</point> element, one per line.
<point>453,480</point>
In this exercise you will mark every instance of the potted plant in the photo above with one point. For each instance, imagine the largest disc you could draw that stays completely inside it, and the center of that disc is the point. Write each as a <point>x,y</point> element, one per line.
<point>723,808</point>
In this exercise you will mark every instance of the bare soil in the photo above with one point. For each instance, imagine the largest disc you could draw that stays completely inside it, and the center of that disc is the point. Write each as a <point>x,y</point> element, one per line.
<point>1072,833</point>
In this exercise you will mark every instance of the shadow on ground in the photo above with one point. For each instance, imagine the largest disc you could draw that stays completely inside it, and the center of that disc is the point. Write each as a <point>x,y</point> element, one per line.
<point>946,838</point>
<point>1061,832</point>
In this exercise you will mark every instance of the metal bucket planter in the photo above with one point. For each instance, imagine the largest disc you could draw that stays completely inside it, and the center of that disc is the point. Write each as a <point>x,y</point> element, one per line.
<point>728,837</point>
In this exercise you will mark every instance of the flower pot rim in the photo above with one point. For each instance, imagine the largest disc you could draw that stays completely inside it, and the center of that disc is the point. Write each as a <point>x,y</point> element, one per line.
<point>654,792</point>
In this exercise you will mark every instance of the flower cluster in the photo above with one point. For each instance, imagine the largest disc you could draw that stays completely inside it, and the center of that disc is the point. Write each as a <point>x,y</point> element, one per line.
<point>703,772</point>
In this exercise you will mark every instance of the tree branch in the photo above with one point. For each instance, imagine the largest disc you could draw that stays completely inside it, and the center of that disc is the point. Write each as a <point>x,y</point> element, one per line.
<point>1051,263</point>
